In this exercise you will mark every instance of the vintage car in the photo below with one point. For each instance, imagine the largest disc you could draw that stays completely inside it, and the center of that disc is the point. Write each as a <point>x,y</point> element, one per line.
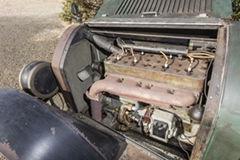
<point>143,79</point>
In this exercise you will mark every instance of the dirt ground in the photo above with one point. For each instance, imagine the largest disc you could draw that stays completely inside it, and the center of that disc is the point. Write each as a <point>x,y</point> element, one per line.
<point>29,30</point>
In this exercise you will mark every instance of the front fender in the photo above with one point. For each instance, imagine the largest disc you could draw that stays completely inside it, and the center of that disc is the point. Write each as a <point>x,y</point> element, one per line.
<point>29,129</point>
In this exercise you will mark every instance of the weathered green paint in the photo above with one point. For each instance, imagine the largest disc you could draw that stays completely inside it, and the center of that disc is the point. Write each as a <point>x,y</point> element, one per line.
<point>109,7</point>
<point>219,9</point>
<point>222,8</point>
<point>225,141</point>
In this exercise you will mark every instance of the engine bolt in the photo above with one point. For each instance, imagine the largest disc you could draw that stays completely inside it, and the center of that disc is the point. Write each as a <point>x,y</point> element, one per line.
<point>180,57</point>
<point>171,91</point>
<point>139,84</point>
<point>149,86</point>
<point>120,80</point>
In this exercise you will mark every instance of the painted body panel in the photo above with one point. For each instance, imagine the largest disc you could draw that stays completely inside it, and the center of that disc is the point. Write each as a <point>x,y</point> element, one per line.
<point>165,8</point>
<point>225,141</point>
<point>29,129</point>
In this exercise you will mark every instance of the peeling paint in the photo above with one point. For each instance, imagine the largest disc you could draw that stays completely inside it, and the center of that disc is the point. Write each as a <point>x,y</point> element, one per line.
<point>92,144</point>
<point>2,157</point>
<point>132,152</point>
<point>7,151</point>
<point>70,122</point>
<point>53,131</point>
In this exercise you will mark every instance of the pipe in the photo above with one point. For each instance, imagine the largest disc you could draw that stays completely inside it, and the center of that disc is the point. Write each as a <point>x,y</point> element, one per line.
<point>106,44</point>
<point>122,111</point>
<point>202,45</point>
<point>122,118</point>
<point>96,110</point>
<point>101,42</point>
<point>125,126</point>
<point>156,93</point>
<point>121,44</point>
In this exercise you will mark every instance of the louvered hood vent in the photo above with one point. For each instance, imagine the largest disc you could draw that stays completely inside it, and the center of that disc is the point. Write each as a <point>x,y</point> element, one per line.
<point>134,7</point>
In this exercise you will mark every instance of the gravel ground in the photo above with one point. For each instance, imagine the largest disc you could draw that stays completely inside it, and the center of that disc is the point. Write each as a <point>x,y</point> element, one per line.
<point>29,30</point>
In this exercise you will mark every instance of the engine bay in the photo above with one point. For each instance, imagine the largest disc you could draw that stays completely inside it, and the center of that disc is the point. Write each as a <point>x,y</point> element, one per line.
<point>148,85</point>
<point>155,89</point>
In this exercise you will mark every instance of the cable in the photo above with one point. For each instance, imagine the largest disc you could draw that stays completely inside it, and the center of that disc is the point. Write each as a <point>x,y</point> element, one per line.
<point>134,57</point>
<point>187,138</point>
<point>132,52</point>
<point>166,63</point>
<point>191,56</point>
<point>182,127</point>
<point>183,149</point>
<point>204,51</point>
<point>201,55</point>
<point>205,83</point>
<point>191,62</point>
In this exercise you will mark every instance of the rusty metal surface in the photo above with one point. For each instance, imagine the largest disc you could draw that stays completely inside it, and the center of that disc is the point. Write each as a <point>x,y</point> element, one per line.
<point>142,90</point>
<point>58,60</point>
<point>214,96</point>
<point>151,67</point>
<point>46,133</point>
<point>167,151</point>
<point>132,152</point>
<point>96,110</point>
<point>7,153</point>
<point>147,115</point>
<point>60,52</point>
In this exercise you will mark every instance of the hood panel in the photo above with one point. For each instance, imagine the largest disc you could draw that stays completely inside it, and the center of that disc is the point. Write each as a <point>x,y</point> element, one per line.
<point>162,7</point>
<point>165,8</point>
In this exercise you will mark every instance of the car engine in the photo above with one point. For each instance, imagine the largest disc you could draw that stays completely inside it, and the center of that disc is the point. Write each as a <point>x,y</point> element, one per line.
<point>151,87</point>
<point>155,89</point>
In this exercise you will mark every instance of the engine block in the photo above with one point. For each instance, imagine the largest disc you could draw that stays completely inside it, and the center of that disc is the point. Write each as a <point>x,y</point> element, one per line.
<point>151,67</point>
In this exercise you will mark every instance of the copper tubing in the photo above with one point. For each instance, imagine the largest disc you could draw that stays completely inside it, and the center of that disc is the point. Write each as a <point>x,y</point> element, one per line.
<point>125,126</point>
<point>122,111</point>
<point>142,90</point>
<point>122,118</point>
